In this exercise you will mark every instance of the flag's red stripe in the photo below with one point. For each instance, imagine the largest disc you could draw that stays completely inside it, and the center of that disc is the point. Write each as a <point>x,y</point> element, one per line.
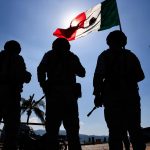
<point>70,33</point>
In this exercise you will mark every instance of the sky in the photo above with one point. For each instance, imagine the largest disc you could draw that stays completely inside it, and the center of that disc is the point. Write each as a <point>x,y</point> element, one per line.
<point>32,23</point>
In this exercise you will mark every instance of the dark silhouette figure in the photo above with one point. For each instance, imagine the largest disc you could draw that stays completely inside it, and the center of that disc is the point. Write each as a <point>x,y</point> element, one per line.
<point>57,76</point>
<point>115,82</point>
<point>12,76</point>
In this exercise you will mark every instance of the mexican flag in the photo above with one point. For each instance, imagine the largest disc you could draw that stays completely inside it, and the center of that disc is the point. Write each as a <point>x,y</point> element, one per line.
<point>102,16</point>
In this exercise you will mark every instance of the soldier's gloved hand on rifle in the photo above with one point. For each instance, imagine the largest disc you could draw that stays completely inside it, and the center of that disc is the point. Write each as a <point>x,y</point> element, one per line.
<point>98,101</point>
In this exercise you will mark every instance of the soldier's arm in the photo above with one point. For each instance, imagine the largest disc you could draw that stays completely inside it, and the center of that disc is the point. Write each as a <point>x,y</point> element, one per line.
<point>139,74</point>
<point>99,74</point>
<point>41,71</point>
<point>79,69</point>
<point>25,75</point>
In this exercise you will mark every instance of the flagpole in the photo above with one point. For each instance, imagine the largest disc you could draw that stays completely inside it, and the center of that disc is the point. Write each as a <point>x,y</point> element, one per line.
<point>118,16</point>
<point>119,19</point>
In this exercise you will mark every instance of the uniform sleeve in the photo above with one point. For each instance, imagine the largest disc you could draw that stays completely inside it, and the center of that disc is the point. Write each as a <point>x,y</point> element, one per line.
<point>24,75</point>
<point>41,70</point>
<point>138,71</point>
<point>79,69</point>
<point>99,75</point>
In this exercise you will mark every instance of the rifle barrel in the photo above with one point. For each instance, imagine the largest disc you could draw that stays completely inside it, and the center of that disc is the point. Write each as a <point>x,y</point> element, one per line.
<point>91,111</point>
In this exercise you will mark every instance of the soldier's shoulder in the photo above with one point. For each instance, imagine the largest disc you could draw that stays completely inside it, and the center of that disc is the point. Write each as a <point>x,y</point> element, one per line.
<point>48,54</point>
<point>19,56</point>
<point>19,59</point>
<point>129,52</point>
<point>73,55</point>
<point>2,52</point>
<point>104,53</point>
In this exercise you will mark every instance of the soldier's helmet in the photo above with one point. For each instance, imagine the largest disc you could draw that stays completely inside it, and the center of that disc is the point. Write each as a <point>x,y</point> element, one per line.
<point>12,46</point>
<point>116,37</point>
<point>61,44</point>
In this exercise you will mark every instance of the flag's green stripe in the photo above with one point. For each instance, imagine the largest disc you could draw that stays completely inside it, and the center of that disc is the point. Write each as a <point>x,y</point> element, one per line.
<point>109,15</point>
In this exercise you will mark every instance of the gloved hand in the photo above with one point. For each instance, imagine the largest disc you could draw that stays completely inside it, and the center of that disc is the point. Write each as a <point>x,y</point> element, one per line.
<point>98,101</point>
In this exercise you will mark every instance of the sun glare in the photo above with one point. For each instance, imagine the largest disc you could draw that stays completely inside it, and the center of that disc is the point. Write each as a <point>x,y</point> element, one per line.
<point>68,17</point>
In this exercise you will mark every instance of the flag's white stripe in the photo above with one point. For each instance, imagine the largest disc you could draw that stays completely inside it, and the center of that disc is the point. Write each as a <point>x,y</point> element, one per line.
<point>93,12</point>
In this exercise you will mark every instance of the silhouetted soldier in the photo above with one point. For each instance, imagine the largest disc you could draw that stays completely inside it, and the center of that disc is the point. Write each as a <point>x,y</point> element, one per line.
<point>60,66</point>
<point>116,78</point>
<point>12,76</point>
